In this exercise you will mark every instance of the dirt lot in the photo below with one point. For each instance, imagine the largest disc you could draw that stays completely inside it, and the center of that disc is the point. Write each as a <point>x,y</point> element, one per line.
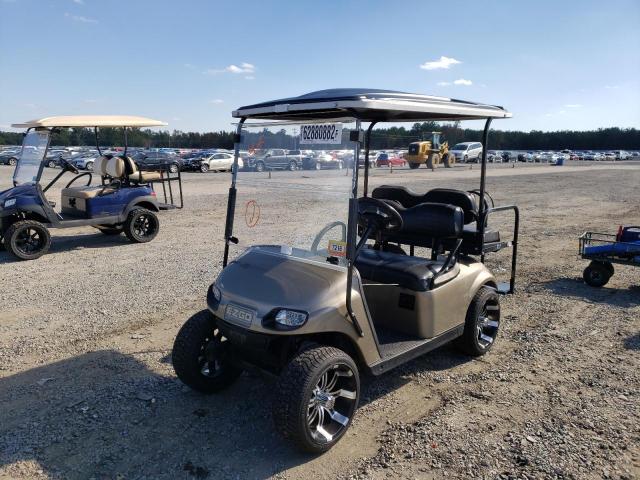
<point>87,389</point>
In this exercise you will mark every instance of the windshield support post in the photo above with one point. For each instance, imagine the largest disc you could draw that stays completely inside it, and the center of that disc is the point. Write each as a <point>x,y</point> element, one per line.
<point>95,132</point>
<point>231,203</point>
<point>352,232</point>
<point>367,147</point>
<point>126,141</point>
<point>483,177</point>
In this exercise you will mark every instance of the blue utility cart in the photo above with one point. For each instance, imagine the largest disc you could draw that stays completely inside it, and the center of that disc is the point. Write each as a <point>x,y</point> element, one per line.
<point>605,249</point>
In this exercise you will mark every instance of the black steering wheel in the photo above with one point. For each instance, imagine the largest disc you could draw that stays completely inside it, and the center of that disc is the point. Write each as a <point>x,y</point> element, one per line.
<point>376,214</point>
<point>69,166</point>
<point>85,174</point>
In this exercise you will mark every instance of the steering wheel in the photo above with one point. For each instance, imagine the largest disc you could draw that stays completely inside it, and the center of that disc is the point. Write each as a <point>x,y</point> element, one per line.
<point>80,176</point>
<point>69,166</point>
<point>316,242</point>
<point>378,214</point>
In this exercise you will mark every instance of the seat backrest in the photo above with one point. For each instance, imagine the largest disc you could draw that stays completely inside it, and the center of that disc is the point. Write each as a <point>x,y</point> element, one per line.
<point>130,166</point>
<point>465,200</point>
<point>433,220</point>
<point>100,165</point>
<point>115,167</point>
<point>407,198</point>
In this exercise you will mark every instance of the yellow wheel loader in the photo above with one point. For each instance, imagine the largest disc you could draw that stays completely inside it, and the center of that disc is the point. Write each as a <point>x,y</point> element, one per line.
<point>431,152</point>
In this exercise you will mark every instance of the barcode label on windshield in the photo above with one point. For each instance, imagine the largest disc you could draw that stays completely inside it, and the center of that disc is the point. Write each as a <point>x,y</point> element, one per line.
<point>321,133</point>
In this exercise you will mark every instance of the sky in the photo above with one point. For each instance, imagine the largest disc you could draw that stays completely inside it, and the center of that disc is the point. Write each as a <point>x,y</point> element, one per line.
<point>554,64</point>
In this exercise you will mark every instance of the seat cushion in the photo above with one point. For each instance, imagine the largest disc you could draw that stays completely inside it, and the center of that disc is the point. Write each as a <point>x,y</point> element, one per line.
<point>459,198</point>
<point>85,192</point>
<point>145,176</point>
<point>413,273</point>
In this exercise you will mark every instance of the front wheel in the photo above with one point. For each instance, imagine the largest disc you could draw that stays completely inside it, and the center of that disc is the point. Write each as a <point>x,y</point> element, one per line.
<point>293,166</point>
<point>173,168</point>
<point>141,226</point>
<point>204,167</point>
<point>413,166</point>
<point>13,161</point>
<point>27,239</point>
<point>52,164</point>
<point>89,166</point>
<point>449,159</point>
<point>597,274</point>
<point>199,355</point>
<point>316,398</point>
<point>259,167</point>
<point>481,324</point>
<point>340,166</point>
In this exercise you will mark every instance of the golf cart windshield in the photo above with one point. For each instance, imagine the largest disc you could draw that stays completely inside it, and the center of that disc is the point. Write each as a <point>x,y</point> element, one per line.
<point>290,201</point>
<point>34,146</point>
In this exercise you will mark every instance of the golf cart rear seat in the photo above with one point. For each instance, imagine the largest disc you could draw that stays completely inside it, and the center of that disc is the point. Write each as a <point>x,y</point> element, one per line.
<point>472,243</point>
<point>438,221</point>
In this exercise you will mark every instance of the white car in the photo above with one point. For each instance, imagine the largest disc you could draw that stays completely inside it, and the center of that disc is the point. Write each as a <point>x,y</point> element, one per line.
<point>219,162</point>
<point>622,155</point>
<point>467,151</point>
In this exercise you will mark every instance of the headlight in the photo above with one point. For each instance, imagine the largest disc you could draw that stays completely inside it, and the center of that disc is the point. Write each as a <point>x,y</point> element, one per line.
<point>290,318</point>
<point>10,203</point>
<point>217,294</point>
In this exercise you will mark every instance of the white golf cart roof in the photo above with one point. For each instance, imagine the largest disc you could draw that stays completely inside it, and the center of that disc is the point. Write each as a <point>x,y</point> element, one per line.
<point>369,105</point>
<point>91,121</point>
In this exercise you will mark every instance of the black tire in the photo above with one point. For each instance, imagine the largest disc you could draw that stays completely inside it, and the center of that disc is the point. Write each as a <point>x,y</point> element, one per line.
<point>108,230</point>
<point>413,166</point>
<point>466,159</point>
<point>433,160</point>
<point>609,266</point>
<point>449,159</point>
<point>318,166</point>
<point>27,239</point>
<point>174,167</point>
<point>89,166</point>
<point>204,167</point>
<point>293,166</point>
<point>198,347</point>
<point>481,323</point>
<point>293,411</point>
<point>259,167</point>
<point>52,164</point>
<point>597,274</point>
<point>141,226</point>
<point>12,161</point>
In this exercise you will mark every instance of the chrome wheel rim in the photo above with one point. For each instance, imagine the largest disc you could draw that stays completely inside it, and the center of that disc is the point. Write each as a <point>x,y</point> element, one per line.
<point>332,403</point>
<point>487,325</point>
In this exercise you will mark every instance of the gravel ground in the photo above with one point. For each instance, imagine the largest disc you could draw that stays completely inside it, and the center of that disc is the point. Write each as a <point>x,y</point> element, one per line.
<point>87,389</point>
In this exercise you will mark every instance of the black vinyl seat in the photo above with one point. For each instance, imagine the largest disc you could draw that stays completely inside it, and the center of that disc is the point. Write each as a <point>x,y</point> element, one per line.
<point>413,273</point>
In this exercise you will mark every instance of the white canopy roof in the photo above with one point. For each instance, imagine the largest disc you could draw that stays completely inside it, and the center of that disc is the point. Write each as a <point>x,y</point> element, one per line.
<point>91,121</point>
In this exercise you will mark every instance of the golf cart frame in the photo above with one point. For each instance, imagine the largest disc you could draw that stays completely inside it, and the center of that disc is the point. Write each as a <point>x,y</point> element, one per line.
<point>107,206</point>
<point>378,310</point>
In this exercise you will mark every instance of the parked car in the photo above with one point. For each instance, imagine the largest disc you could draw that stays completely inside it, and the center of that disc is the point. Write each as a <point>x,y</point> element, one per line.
<point>622,155</point>
<point>390,160</point>
<point>218,162</point>
<point>270,159</point>
<point>467,151</point>
<point>508,157</point>
<point>9,157</point>
<point>157,160</point>
<point>322,160</point>
<point>493,156</point>
<point>85,160</point>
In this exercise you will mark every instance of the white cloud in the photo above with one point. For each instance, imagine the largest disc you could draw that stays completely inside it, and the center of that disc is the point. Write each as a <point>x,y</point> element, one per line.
<point>249,77</point>
<point>244,67</point>
<point>216,101</point>
<point>573,105</point>
<point>443,84</point>
<point>462,81</point>
<point>79,2</point>
<point>80,18</point>
<point>444,62</point>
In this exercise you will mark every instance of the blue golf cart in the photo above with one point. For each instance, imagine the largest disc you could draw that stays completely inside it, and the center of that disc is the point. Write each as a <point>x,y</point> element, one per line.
<point>123,200</point>
<point>606,249</point>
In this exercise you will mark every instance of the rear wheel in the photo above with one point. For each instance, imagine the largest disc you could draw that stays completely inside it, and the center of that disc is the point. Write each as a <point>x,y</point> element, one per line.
<point>52,164</point>
<point>173,168</point>
<point>141,226</point>
<point>199,355</point>
<point>481,324</point>
<point>316,398</point>
<point>27,239</point>
<point>293,166</point>
<point>13,161</point>
<point>259,167</point>
<point>413,166</point>
<point>318,166</point>
<point>89,166</point>
<point>340,165</point>
<point>597,274</point>
<point>449,159</point>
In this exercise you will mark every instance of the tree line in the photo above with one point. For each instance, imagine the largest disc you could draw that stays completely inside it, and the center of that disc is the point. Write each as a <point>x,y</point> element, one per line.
<point>381,138</point>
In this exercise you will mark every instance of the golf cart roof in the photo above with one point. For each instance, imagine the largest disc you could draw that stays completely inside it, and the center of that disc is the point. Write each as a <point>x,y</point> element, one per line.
<point>368,105</point>
<point>91,121</point>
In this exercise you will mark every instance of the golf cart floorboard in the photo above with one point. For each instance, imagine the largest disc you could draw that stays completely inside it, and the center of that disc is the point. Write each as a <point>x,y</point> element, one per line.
<point>397,348</point>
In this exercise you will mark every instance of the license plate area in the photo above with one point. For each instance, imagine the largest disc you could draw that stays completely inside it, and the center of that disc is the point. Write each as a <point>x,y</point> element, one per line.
<point>238,315</point>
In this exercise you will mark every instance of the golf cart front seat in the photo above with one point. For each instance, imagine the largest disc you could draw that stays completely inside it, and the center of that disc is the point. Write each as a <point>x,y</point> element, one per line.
<point>438,221</point>
<point>99,167</point>
<point>472,243</point>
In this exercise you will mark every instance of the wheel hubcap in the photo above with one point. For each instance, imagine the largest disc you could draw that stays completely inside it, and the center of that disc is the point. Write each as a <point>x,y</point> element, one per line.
<point>211,354</point>
<point>487,325</point>
<point>144,225</point>
<point>332,403</point>
<point>29,240</point>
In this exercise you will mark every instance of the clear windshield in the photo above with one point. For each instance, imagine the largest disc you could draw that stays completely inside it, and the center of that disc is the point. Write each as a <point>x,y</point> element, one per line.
<point>290,199</point>
<point>34,147</point>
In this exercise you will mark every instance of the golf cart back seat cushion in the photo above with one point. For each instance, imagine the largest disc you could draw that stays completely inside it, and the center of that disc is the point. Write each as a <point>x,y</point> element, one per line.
<point>408,198</point>
<point>433,220</point>
<point>115,167</point>
<point>413,273</point>
<point>136,175</point>
<point>100,165</point>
